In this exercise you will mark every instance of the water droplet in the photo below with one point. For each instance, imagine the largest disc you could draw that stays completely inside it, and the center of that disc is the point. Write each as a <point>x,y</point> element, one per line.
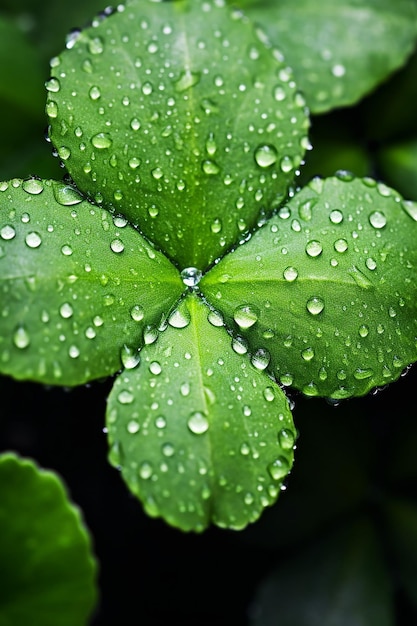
<point>286,164</point>
<point>7,232</point>
<point>305,210</point>
<point>133,427</point>
<point>359,277</point>
<point>363,373</point>
<point>101,141</point>
<point>240,345</point>
<point>216,225</point>
<point>191,276</point>
<point>338,70</point>
<point>185,389</point>
<point>147,88</point>
<point>336,216</point>
<point>129,357</point>
<point>341,245</point>
<point>160,422</point>
<point>215,318</point>
<point>150,335</point>
<point>51,109</point>
<point>155,368</point>
<point>410,207</point>
<point>363,330</point>
<point>66,311</point>
<point>21,338</point>
<point>137,313</point>
<point>290,274</point>
<point>314,248</point>
<point>66,195</point>
<point>33,240</point>
<point>33,186</point>
<point>211,146</point>
<point>135,124</point>
<point>246,315</point>
<point>245,449</point>
<point>134,163</point>
<point>315,305</point>
<point>145,470</point>
<point>168,449</point>
<point>286,439</point>
<point>186,80</point>
<point>180,318</point>
<point>125,397</point>
<point>95,93</point>
<point>370,264</point>
<point>96,45</point>
<point>307,354</point>
<point>269,394</point>
<point>265,155</point>
<point>53,85</point>
<point>210,167</point>
<point>157,173</point>
<point>74,352</point>
<point>198,423</point>
<point>279,94</point>
<point>377,219</point>
<point>279,468</point>
<point>260,359</point>
<point>117,246</point>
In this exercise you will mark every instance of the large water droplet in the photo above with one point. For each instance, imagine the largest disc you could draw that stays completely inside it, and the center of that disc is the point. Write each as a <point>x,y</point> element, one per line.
<point>101,141</point>
<point>180,318</point>
<point>66,311</point>
<point>7,232</point>
<point>130,357</point>
<point>137,313</point>
<point>265,155</point>
<point>21,338</point>
<point>33,186</point>
<point>377,219</point>
<point>315,305</point>
<point>260,359</point>
<point>279,468</point>
<point>286,439</point>
<point>198,423</point>
<point>246,315</point>
<point>314,248</point>
<point>33,240</point>
<point>191,276</point>
<point>67,195</point>
<point>290,274</point>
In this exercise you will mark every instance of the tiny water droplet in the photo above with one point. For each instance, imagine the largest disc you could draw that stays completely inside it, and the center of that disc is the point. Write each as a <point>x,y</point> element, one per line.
<point>66,311</point>
<point>269,394</point>
<point>186,80</point>
<point>168,449</point>
<point>133,427</point>
<point>210,167</point>
<point>145,470</point>
<point>125,397</point>
<point>95,93</point>
<point>155,368</point>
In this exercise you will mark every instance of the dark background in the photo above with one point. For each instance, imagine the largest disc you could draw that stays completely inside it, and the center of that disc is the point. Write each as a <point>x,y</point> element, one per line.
<point>352,461</point>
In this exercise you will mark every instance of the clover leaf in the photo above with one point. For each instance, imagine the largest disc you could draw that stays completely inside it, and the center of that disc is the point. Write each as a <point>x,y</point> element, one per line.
<point>179,257</point>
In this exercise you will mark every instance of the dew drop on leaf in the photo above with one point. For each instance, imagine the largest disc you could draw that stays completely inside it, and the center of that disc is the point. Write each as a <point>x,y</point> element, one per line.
<point>315,305</point>
<point>33,239</point>
<point>137,313</point>
<point>265,155</point>
<point>246,316</point>
<point>198,423</point>
<point>21,338</point>
<point>33,186</point>
<point>191,276</point>
<point>279,468</point>
<point>314,248</point>
<point>7,232</point>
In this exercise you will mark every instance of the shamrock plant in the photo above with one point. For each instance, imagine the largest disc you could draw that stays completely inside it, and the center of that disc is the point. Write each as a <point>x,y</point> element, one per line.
<point>180,256</point>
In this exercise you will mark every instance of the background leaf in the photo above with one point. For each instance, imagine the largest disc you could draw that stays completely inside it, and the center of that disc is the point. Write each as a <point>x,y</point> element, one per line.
<point>48,571</point>
<point>327,288</point>
<point>152,119</point>
<point>340,581</point>
<point>339,50</point>
<point>79,288</point>
<point>200,435</point>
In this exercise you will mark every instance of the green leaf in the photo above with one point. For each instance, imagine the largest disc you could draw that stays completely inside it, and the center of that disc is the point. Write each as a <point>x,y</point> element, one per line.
<point>326,290</point>
<point>48,570</point>
<point>200,434</point>
<point>78,287</point>
<point>340,581</point>
<point>339,49</point>
<point>176,115</point>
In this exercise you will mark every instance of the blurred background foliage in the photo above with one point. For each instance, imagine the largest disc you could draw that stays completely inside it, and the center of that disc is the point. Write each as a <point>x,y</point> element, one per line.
<point>340,546</point>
